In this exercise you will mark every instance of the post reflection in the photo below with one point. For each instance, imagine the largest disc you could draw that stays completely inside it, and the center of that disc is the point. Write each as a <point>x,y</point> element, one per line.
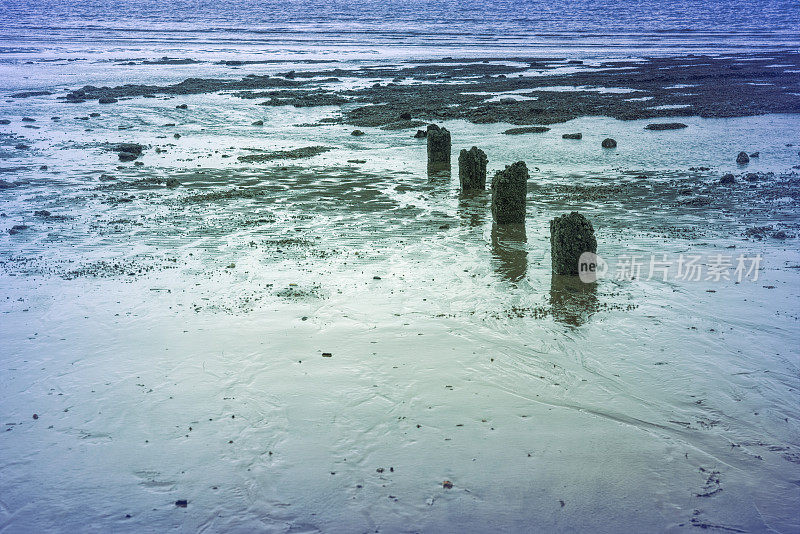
<point>572,302</point>
<point>509,251</point>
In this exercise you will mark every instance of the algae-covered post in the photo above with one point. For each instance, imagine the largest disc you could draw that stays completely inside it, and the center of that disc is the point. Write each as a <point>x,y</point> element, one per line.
<point>570,236</point>
<point>438,148</point>
<point>509,189</point>
<point>472,169</point>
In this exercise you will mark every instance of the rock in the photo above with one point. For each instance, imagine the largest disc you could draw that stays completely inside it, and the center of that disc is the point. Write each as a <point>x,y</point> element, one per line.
<point>6,185</point>
<point>41,213</point>
<point>43,168</point>
<point>509,189</point>
<point>131,148</point>
<point>173,182</point>
<point>572,136</point>
<point>176,136</point>
<point>727,179</point>
<point>780,234</point>
<point>94,114</point>
<point>527,129</point>
<point>742,158</point>
<point>181,503</point>
<point>472,169</point>
<point>751,177</point>
<point>659,126</point>
<point>107,100</point>
<point>138,163</point>
<point>106,178</point>
<point>5,121</point>
<point>127,156</point>
<point>356,161</point>
<point>257,123</point>
<point>357,133</point>
<point>21,146</point>
<point>17,228</point>
<point>405,116</point>
<point>570,236</point>
<point>438,148</point>
<point>609,143</point>
<point>181,106</point>
<point>28,119</point>
<point>421,134</point>
<point>755,154</point>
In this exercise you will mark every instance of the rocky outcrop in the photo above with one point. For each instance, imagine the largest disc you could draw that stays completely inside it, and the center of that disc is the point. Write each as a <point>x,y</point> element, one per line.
<point>438,148</point>
<point>742,158</point>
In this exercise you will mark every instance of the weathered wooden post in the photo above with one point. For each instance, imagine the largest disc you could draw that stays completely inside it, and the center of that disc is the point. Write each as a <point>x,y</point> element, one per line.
<point>570,236</point>
<point>509,189</point>
<point>472,169</point>
<point>438,148</point>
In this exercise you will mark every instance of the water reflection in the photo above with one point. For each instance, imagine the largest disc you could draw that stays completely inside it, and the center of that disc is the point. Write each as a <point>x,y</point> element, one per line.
<point>509,252</point>
<point>473,207</point>
<point>438,171</point>
<point>572,302</point>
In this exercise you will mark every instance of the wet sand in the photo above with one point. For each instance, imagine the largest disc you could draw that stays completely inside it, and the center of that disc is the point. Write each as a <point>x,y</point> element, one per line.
<point>299,340</point>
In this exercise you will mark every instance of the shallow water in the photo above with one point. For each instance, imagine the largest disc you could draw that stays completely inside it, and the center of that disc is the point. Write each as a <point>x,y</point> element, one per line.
<point>171,340</point>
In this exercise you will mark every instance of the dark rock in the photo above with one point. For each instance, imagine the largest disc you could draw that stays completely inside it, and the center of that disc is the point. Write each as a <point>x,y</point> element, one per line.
<point>421,134</point>
<point>28,119</point>
<point>257,123</point>
<point>570,236</point>
<point>5,121</point>
<point>17,228</point>
<point>742,158</point>
<point>405,116</point>
<point>131,148</point>
<point>472,169</point>
<point>181,503</point>
<point>5,185</point>
<point>106,178</point>
<point>127,156</point>
<point>438,148</point>
<point>138,163</point>
<point>751,177</point>
<point>527,129</point>
<point>181,106</point>
<point>43,168</point>
<point>509,191</point>
<point>173,182</point>
<point>780,234</point>
<point>41,213</point>
<point>609,143</point>
<point>659,126</point>
<point>356,133</point>
<point>755,154</point>
<point>107,100</point>
<point>176,136</point>
<point>21,146</point>
<point>94,114</point>
<point>572,136</point>
<point>295,153</point>
<point>727,179</point>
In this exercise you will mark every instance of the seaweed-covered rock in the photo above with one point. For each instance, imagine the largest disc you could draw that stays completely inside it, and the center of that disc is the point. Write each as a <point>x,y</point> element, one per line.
<point>509,189</point>
<point>526,129</point>
<point>660,126</point>
<point>107,100</point>
<point>127,156</point>
<point>131,148</point>
<point>570,236</point>
<point>727,179</point>
<point>472,169</point>
<point>609,143</point>
<point>438,147</point>
<point>742,158</point>
<point>421,134</point>
<point>356,133</point>
<point>576,136</point>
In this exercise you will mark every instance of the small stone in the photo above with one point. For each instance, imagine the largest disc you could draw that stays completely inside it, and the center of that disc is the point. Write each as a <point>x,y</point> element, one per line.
<point>181,106</point>
<point>356,133</point>
<point>609,143</point>
<point>727,179</point>
<point>447,484</point>
<point>127,156</point>
<point>742,158</point>
<point>36,416</point>
<point>181,503</point>
<point>107,100</point>
<point>326,355</point>
<point>176,136</point>
<point>257,123</point>
<point>405,116</point>
<point>421,134</point>
<point>173,182</point>
<point>572,136</point>
<point>755,154</point>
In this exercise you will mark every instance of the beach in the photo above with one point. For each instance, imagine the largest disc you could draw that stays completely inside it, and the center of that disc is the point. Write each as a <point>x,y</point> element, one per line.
<point>224,310</point>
